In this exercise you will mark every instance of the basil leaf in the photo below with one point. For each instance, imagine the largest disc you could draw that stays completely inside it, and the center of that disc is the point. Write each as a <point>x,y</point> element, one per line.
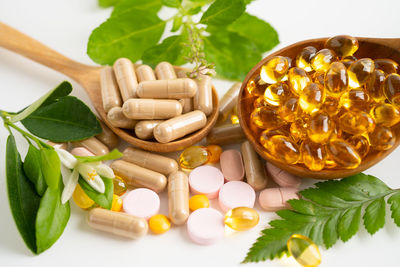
<point>51,167</point>
<point>105,199</point>
<point>223,12</point>
<point>172,3</point>
<point>126,35</point>
<point>24,202</point>
<point>125,6</point>
<point>51,219</point>
<point>169,50</point>
<point>68,119</point>
<point>33,170</point>
<point>108,3</point>
<point>115,154</point>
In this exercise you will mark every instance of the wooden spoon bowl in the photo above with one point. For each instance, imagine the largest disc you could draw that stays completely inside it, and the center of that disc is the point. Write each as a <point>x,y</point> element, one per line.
<point>368,47</point>
<point>89,78</point>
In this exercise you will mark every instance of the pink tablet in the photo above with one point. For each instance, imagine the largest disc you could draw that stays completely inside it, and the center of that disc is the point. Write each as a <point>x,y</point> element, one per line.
<point>141,202</point>
<point>206,226</point>
<point>82,152</point>
<point>206,180</point>
<point>232,165</point>
<point>236,194</point>
<point>282,178</point>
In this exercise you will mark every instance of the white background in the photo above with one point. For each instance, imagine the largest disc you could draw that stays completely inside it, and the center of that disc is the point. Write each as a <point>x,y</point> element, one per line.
<point>65,25</point>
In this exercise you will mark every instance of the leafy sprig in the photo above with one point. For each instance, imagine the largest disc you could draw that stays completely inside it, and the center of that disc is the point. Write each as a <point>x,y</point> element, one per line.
<point>327,212</point>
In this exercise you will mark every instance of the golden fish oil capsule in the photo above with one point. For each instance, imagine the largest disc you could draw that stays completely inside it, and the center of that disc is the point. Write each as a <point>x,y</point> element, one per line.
<point>117,119</point>
<point>256,87</point>
<point>148,109</point>
<point>322,60</point>
<point>374,87</point>
<point>116,203</point>
<point>159,224</point>
<point>260,102</point>
<point>382,138</point>
<point>109,89</point>
<point>320,127</point>
<point>198,202</point>
<point>276,93</point>
<point>225,134</point>
<point>289,110</point>
<point>144,129</point>
<point>342,45</point>
<point>304,251</point>
<point>336,133</point>
<point>331,106</point>
<point>281,148</point>
<point>360,144</point>
<point>318,77</point>
<point>165,71</point>
<point>145,73</point>
<point>386,65</point>
<point>178,197</point>
<point>298,129</point>
<point>81,199</point>
<point>126,78</point>
<point>385,114</point>
<point>356,99</point>
<point>303,59</point>
<point>266,118</point>
<point>120,186</point>
<point>228,101</point>
<point>241,218</point>
<point>391,89</point>
<point>298,80</point>
<point>203,99</point>
<point>313,155</point>
<point>344,154</point>
<point>357,122</point>
<point>193,157</point>
<point>336,79</point>
<point>312,97</point>
<point>215,151</point>
<point>274,70</point>
<point>361,72</point>
<point>164,89</point>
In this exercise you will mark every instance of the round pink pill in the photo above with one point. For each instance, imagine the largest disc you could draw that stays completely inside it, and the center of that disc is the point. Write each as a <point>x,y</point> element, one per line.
<point>236,194</point>
<point>206,226</point>
<point>81,152</point>
<point>282,178</point>
<point>206,180</point>
<point>141,202</point>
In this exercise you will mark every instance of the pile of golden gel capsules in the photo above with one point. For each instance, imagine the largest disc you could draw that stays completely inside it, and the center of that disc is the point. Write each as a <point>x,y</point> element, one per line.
<point>329,110</point>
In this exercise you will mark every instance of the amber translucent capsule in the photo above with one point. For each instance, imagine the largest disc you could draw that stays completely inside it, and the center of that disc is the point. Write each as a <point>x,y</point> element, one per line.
<point>374,87</point>
<point>336,133</point>
<point>274,70</point>
<point>329,162</point>
<point>288,111</point>
<point>120,186</point>
<point>298,129</point>
<point>259,102</point>
<point>281,148</point>
<point>320,127</point>
<point>382,138</point>
<point>331,106</point>
<point>391,88</point>
<point>385,114</point>
<point>342,45</point>
<point>360,144</point>
<point>343,154</point>
<point>276,93</point>
<point>313,155</point>
<point>387,65</point>
<point>356,122</point>
<point>298,79</point>
<point>266,118</point>
<point>241,218</point>
<point>116,203</point>
<point>318,77</point>
<point>323,59</point>
<point>303,60</point>
<point>256,87</point>
<point>312,97</point>
<point>336,79</point>
<point>356,99</point>
<point>193,157</point>
<point>361,72</point>
<point>215,151</point>
<point>304,251</point>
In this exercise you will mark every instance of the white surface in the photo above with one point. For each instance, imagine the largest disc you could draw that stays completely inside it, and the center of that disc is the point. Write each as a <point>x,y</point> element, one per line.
<point>65,26</point>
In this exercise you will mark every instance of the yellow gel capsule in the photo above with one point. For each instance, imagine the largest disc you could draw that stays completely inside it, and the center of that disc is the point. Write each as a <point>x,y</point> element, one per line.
<point>336,133</point>
<point>81,199</point>
<point>276,93</point>
<point>322,60</point>
<point>342,45</point>
<point>298,79</point>
<point>356,99</point>
<point>116,203</point>
<point>374,87</point>
<point>320,127</point>
<point>331,106</point>
<point>361,72</point>
<point>360,144</point>
<point>336,79</point>
<point>391,89</point>
<point>274,70</point>
<point>357,122</point>
<point>198,202</point>
<point>282,148</point>
<point>303,60</point>
<point>194,156</point>
<point>241,218</point>
<point>120,186</point>
<point>382,138</point>
<point>313,155</point>
<point>304,250</point>
<point>318,77</point>
<point>159,224</point>
<point>266,118</point>
<point>256,86</point>
<point>344,154</point>
<point>312,97</point>
<point>329,162</point>
<point>215,152</point>
<point>387,65</point>
<point>289,110</point>
<point>298,129</point>
<point>385,114</point>
<point>259,102</point>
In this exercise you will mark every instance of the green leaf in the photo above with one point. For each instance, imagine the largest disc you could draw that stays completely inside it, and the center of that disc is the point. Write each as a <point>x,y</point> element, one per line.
<point>258,31</point>
<point>223,12</point>
<point>108,3</point>
<point>51,167</point>
<point>169,50</point>
<point>194,10</point>
<point>114,154</point>
<point>126,6</point>
<point>374,216</point>
<point>172,3</point>
<point>105,199</point>
<point>68,119</point>
<point>23,199</point>
<point>177,24</point>
<point>330,232</point>
<point>33,170</point>
<point>61,90</point>
<point>126,35</point>
<point>349,223</point>
<point>51,219</point>
<point>394,202</point>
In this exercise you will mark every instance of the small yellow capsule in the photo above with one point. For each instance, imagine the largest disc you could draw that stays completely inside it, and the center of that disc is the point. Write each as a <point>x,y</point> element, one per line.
<point>313,155</point>
<point>159,224</point>
<point>382,138</point>
<point>298,80</point>
<point>274,70</point>
<point>282,148</point>
<point>374,87</point>
<point>312,97</point>
<point>322,60</point>
<point>81,199</point>
<point>329,162</point>
<point>357,122</point>
<point>256,86</point>
<point>116,203</point>
<point>391,88</point>
<point>336,79</point>
<point>320,127</point>
<point>331,106</point>
<point>298,129</point>
<point>260,102</point>
<point>360,143</point>
<point>193,157</point>
<point>241,218</point>
<point>304,250</point>
<point>344,154</point>
<point>120,186</point>
<point>342,45</point>
<point>303,60</point>
<point>356,99</point>
<point>361,72</point>
<point>198,202</point>
<point>276,93</point>
<point>215,152</point>
<point>289,110</point>
<point>385,114</point>
<point>266,118</point>
<point>387,65</point>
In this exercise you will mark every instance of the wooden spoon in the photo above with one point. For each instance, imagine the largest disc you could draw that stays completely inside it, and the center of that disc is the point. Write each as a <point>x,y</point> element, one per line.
<point>370,48</point>
<point>89,78</point>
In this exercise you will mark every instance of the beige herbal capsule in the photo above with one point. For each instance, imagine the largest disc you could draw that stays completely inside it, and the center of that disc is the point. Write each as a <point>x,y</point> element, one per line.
<point>165,71</point>
<point>148,109</point>
<point>93,145</point>
<point>187,105</point>
<point>179,126</point>
<point>145,73</point>
<point>137,176</point>
<point>173,89</point>
<point>117,119</point>
<point>178,197</point>
<point>144,129</point>
<point>151,161</point>
<point>255,171</point>
<point>126,78</point>
<point>203,98</point>
<point>225,134</point>
<point>107,137</point>
<point>228,101</point>
<point>118,223</point>
<point>109,89</point>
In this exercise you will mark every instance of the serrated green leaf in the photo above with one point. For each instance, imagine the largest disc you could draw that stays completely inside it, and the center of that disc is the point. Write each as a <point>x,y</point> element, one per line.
<point>223,12</point>
<point>330,235</point>
<point>294,216</point>
<point>316,232</point>
<point>374,216</point>
<point>33,170</point>
<point>126,6</point>
<point>103,199</point>
<point>172,3</point>
<point>342,190</point>
<point>108,3</point>
<point>349,223</point>
<point>307,207</point>
<point>114,154</point>
<point>51,167</point>
<point>394,202</point>
<point>325,199</point>
<point>169,50</point>
<point>368,185</point>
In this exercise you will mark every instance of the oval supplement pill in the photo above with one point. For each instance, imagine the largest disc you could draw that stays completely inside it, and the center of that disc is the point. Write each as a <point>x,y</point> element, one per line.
<point>144,129</point>
<point>117,223</point>
<point>126,78</point>
<point>109,89</point>
<point>141,202</point>
<point>254,168</point>
<point>206,226</point>
<point>173,89</point>
<point>232,165</point>
<point>206,180</point>
<point>165,71</point>
<point>93,145</point>
<point>281,177</point>
<point>145,73</point>
<point>236,194</point>
<point>273,199</point>
<point>180,126</point>
<point>117,119</point>
<point>148,109</point>
<point>178,197</point>
<point>203,99</point>
<point>107,137</point>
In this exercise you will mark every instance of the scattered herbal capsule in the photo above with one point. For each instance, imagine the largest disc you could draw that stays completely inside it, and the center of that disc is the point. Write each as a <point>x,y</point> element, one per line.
<point>120,186</point>
<point>320,127</point>
<point>241,218</point>
<point>256,86</point>
<point>387,65</point>
<point>159,224</point>
<point>274,70</point>
<point>298,80</point>
<point>303,60</point>
<point>374,87</point>
<point>344,154</point>
<point>336,79</point>
<point>356,99</point>
<point>360,144</point>
<point>276,93</point>
<point>288,111</point>
<point>193,157</point>
<point>304,251</point>
<point>198,202</point>
<point>342,45</point>
<point>382,138</point>
<point>80,198</point>
<point>313,155</point>
<point>385,114</point>
<point>312,97</point>
<point>323,59</point>
<point>298,129</point>
<point>391,88</point>
<point>356,122</point>
<point>331,106</point>
<point>361,72</point>
<point>266,118</point>
<point>282,148</point>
